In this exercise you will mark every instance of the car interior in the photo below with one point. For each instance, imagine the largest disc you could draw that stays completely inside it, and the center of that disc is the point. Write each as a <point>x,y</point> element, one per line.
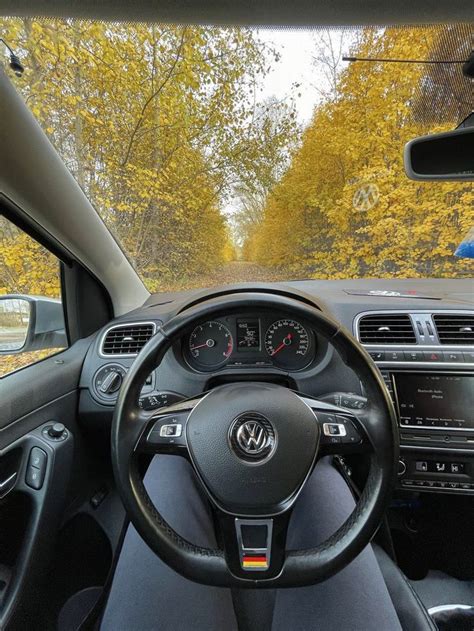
<point>289,452</point>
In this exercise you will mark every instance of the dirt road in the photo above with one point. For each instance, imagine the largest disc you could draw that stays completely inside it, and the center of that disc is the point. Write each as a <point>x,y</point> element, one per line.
<point>240,272</point>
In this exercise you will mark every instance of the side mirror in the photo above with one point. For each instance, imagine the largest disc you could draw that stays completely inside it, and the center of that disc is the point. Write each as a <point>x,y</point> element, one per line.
<point>30,323</point>
<point>446,156</point>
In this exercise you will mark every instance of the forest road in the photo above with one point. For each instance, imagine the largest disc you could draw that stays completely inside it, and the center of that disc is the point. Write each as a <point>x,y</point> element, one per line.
<point>240,272</point>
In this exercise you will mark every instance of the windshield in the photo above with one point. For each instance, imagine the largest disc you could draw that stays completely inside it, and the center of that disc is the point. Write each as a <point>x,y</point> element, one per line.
<point>217,156</point>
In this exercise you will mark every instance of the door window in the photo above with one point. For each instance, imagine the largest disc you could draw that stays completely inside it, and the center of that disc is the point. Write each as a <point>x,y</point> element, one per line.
<point>31,312</point>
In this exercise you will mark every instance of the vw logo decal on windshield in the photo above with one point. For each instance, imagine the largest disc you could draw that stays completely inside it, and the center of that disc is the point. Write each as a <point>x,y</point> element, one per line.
<point>252,437</point>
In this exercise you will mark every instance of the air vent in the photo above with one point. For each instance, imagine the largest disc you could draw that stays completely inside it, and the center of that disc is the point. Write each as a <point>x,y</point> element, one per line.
<point>127,339</point>
<point>455,328</point>
<point>386,329</point>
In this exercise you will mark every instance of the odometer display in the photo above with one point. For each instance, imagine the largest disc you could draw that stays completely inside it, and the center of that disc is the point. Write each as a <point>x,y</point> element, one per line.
<point>211,344</point>
<point>287,343</point>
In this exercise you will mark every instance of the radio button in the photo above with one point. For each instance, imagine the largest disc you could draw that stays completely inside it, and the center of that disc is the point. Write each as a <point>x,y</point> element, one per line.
<point>378,356</point>
<point>421,465</point>
<point>394,356</point>
<point>433,356</point>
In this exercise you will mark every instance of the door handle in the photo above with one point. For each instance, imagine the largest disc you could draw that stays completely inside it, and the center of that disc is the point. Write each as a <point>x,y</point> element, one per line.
<point>7,485</point>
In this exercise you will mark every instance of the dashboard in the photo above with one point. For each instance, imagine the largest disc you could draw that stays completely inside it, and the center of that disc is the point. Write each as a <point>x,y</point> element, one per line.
<point>250,339</point>
<point>419,333</point>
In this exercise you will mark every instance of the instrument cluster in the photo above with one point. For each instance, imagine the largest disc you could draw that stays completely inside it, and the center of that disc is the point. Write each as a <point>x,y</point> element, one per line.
<point>250,341</point>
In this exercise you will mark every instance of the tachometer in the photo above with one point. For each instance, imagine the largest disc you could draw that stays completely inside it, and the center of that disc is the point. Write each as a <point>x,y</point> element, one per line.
<point>287,342</point>
<point>211,344</point>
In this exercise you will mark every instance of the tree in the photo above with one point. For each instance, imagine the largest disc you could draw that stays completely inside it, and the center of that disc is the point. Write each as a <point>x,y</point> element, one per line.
<point>279,133</point>
<point>159,125</point>
<point>26,266</point>
<point>345,208</point>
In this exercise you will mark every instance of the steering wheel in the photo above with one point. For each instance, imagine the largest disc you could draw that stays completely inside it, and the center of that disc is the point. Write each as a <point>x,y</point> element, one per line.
<point>253,445</point>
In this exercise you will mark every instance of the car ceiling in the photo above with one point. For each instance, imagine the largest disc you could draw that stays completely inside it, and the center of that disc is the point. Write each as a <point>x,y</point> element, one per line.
<point>251,12</point>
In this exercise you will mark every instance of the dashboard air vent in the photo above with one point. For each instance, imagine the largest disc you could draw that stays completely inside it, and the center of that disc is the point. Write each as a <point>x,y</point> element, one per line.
<point>389,328</point>
<point>455,328</point>
<point>127,339</point>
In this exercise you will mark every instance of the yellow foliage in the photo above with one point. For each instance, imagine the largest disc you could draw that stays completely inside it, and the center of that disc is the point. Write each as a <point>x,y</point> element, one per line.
<point>159,127</point>
<point>151,122</point>
<point>345,207</point>
<point>26,266</point>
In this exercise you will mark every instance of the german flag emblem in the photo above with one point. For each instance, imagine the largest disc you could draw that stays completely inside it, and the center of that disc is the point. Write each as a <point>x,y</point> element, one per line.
<point>254,562</point>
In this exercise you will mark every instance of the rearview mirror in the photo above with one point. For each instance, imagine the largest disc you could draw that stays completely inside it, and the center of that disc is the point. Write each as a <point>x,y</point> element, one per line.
<point>446,156</point>
<point>30,323</point>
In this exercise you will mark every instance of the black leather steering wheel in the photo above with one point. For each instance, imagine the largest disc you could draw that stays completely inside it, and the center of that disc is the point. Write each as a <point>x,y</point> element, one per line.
<point>253,446</point>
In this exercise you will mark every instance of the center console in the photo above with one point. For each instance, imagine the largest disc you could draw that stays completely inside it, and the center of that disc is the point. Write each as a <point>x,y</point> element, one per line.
<point>431,380</point>
<point>436,420</point>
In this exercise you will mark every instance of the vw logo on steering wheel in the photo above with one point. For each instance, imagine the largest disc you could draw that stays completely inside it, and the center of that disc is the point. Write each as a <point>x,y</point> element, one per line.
<point>252,437</point>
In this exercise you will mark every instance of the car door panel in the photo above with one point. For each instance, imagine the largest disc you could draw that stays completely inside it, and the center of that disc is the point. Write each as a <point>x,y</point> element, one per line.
<point>34,485</point>
<point>30,389</point>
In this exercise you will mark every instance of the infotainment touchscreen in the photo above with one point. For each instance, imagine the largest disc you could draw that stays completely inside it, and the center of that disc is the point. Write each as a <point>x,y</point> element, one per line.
<point>435,400</point>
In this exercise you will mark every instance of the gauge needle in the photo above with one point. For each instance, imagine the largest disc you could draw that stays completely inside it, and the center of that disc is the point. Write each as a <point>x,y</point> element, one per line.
<point>208,344</point>
<point>194,348</point>
<point>286,342</point>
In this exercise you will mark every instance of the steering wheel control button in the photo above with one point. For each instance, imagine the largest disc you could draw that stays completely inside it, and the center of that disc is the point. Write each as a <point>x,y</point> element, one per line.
<point>334,429</point>
<point>254,540</point>
<point>252,437</point>
<point>167,431</point>
<point>337,430</point>
<point>55,431</point>
<point>171,430</point>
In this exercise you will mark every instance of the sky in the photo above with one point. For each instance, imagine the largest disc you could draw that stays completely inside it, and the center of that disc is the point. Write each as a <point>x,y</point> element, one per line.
<point>295,65</point>
<point>297,48</point>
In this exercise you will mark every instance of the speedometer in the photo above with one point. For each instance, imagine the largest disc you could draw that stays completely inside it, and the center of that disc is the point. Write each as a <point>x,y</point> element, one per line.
<point>287,342</point>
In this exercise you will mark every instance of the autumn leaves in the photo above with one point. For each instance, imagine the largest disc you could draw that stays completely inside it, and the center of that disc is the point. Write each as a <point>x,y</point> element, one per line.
<point>345,207</point>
